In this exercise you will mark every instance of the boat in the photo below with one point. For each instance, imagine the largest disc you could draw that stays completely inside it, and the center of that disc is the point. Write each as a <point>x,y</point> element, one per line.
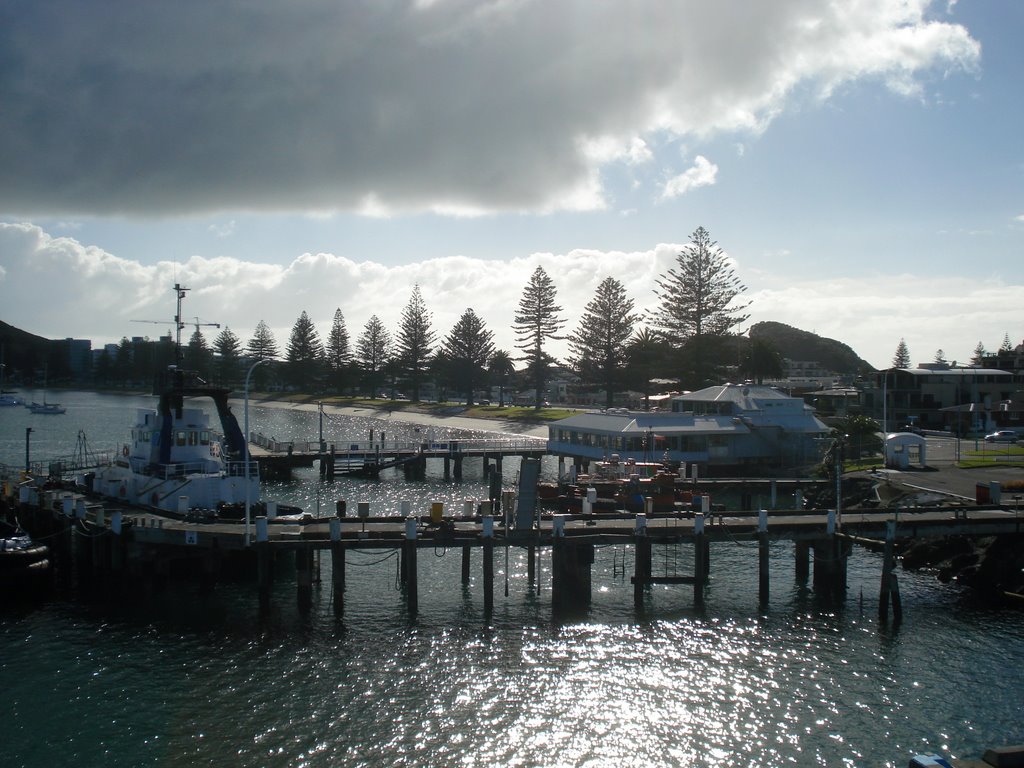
<point>24,564</point>
<point>8,399</point>
<point>45,408</point>
<point>176,461</point>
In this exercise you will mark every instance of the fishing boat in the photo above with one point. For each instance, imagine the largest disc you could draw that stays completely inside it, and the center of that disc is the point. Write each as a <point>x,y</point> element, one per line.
<point>176,461</point>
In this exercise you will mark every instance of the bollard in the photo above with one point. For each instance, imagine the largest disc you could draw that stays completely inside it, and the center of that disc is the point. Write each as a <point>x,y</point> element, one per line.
<point>262,530</point>
<point>487,527</point>
<point>640,526</point>
<point>335,525</point>
<point>436,512</point>
<point>406,508</point>
<point>67,505</point>
<point>705,504</point>
<point>469,508</point>
<point>762,521</point>
<point>271,510</point>
<point>558,526</point>
<point>410,528</point>
<point>831,525</point>
<point>363,509</point>
<point>340,507</point>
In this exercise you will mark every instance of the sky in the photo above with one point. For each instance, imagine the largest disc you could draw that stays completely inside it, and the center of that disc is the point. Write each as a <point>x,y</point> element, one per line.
<point>860,162</point>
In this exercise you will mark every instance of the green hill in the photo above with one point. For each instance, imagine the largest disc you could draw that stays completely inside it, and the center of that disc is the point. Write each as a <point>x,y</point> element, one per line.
<point>795,344</point>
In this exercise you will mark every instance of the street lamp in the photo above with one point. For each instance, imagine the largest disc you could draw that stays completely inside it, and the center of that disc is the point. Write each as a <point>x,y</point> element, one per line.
<point>245,442</point>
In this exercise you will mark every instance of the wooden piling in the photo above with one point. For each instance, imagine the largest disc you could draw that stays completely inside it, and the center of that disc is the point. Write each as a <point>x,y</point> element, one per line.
<point>488,539</point>
<point>412,597</point>
<point>641,569</point>
<point>802,555</point>
<point>465,563</point>
<point>337,568</point>
<point>762,552</point>
<point>699,554</point>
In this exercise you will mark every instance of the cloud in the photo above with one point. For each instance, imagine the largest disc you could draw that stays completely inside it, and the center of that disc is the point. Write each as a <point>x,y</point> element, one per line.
<point>389,107</point>
<point>92,294</point>
<point>701,174</point>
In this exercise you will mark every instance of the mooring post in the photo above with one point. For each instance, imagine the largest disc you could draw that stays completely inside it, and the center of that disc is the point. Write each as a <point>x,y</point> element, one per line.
<point>465,563</point>
<point>487,533</point>
<point>762,550</point>
<point>337,568</point>
<point>642,560</point>
<point>698,559</point>
<point>263,556</point>
<point>889,587</point>
<point>411,582</point>
<point>802,555</point>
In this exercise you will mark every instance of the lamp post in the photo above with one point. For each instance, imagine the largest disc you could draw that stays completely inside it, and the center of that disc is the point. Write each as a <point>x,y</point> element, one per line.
<point>245,442</point>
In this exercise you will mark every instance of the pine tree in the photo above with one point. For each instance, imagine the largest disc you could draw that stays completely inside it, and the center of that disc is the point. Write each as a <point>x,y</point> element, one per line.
<point>262,347</point>
<point>902,357</point>
<point>468,348</point>
<point>373,350</point>
<point>305,354</point>
<point>536,320</point>
<point>697,300</point>
<point>1007,345</point>
<point>198,355</point>
<point>228,350</point>
<point>978,357</point>
<point>414,341</point>
<point>597,349</point>
<point>338,352</point>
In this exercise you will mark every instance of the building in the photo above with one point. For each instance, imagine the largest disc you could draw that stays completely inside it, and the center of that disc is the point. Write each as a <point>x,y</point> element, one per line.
<point>723,430</point>
<point>938,396</point>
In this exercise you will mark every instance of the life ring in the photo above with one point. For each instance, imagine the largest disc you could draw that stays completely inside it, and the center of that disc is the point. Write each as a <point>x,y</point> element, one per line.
<point>124,451</point>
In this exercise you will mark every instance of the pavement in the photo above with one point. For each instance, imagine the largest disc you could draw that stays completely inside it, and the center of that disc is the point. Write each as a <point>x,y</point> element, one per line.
<point>951,480</point>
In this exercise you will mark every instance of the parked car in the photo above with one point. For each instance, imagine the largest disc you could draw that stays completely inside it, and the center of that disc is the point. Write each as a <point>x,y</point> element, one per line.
<point>1002,436</point>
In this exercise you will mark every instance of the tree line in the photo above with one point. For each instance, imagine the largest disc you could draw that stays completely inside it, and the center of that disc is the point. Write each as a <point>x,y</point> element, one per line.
<point>688,336</point>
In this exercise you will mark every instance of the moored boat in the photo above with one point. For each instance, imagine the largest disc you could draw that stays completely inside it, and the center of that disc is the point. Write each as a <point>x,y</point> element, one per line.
<point>177,461</point>
<point>47,409</point>
<point>24,563</point>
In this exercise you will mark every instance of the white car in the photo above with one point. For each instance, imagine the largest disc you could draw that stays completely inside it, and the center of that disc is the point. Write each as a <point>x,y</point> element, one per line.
<point>1002,436</point>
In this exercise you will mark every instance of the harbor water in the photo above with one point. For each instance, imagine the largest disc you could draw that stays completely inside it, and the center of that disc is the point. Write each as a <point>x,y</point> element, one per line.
<point>180,676</point>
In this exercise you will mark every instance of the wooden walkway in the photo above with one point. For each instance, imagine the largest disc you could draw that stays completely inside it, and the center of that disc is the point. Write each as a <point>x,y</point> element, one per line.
<point>127,539</point>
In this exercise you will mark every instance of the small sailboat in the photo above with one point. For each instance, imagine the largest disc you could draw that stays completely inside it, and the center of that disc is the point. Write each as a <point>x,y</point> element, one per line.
<point>45,408</point>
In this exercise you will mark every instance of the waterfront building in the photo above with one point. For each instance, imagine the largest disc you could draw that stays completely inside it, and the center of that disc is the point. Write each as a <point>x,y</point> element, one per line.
<point>723,430</point>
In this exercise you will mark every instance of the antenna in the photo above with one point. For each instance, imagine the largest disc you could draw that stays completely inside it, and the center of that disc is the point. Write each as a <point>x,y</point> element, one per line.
<point>179,324</point>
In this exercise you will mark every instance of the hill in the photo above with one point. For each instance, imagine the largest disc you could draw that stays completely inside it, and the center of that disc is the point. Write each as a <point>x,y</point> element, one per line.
<point>801,345</point>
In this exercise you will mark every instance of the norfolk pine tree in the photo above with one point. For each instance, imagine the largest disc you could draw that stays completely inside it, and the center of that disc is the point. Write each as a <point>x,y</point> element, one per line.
<point>338,353</point>
<point>305,353</point>
<point>373,350</point>
<point>697,301</point>
<point>536,320</point>
<point>468,348</point>
<point>414,341</point>
<point>597,349</point>
<point>228,350</point>
<point>902,357</point>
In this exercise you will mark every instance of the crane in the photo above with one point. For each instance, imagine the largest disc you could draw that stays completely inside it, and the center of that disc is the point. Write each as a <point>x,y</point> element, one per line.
<point>179,292</point>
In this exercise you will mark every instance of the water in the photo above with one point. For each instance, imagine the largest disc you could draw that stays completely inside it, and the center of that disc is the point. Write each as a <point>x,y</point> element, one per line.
<point>184,678</point>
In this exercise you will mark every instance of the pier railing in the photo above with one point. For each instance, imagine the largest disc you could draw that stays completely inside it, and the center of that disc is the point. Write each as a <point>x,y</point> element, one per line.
<point>405,447</point>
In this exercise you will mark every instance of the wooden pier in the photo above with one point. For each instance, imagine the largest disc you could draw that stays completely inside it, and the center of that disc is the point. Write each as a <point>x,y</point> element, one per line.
<point>123,541</point>
<point>277,457</point>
